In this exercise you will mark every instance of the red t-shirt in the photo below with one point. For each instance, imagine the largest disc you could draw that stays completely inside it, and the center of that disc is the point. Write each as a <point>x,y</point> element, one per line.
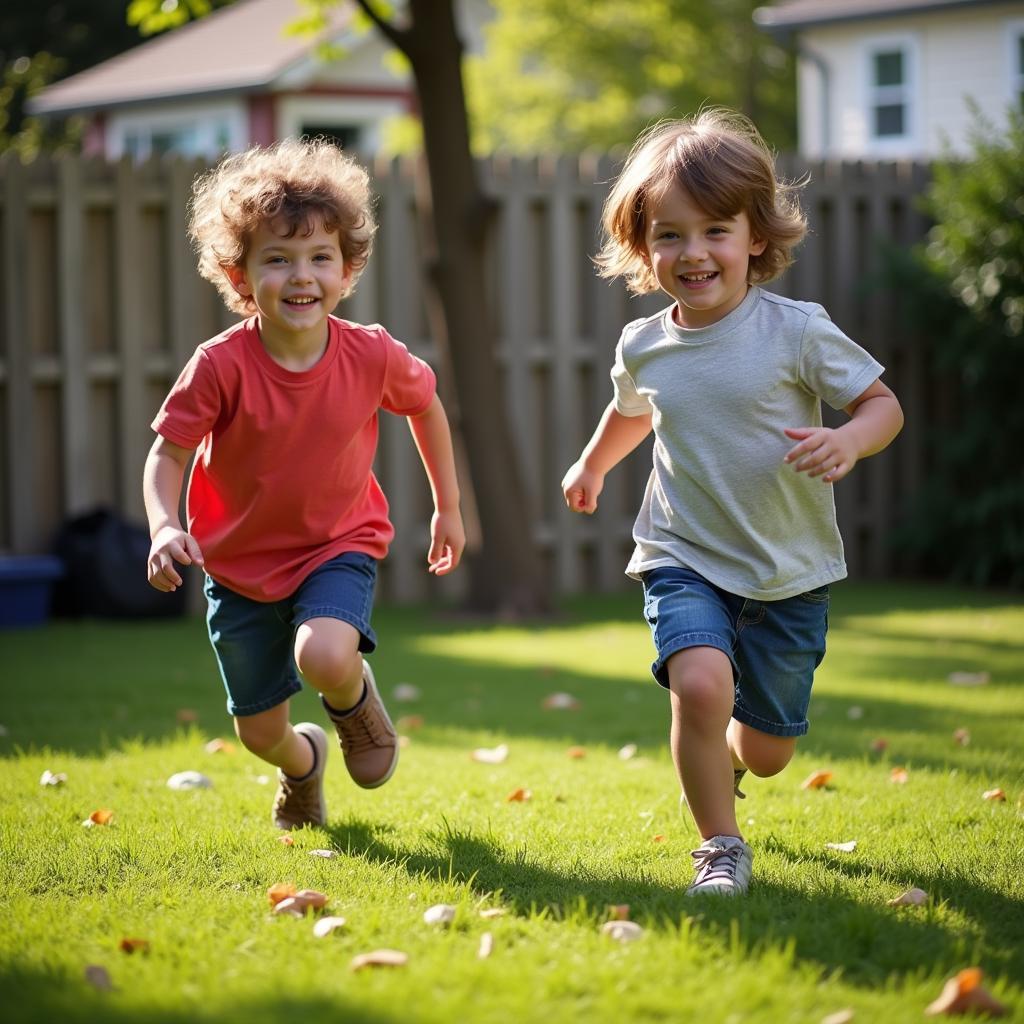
<point>282,479</point>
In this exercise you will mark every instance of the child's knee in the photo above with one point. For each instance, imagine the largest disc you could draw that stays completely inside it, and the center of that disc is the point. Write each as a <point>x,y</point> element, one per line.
<point>763,754</point>
<point>328,655</point>
<point>701,682</point>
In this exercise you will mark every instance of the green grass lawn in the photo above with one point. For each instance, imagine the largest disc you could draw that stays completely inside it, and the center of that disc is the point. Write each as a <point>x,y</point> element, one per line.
<point>189,871</point>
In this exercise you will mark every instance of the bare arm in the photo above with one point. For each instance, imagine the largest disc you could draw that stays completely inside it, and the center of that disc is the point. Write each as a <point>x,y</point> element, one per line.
<point>875,419</point>
<point>615,437</point>
<point>433,439</point>
<point>162,478</point>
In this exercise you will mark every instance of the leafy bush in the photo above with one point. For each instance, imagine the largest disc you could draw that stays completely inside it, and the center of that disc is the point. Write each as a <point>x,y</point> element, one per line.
<point>963,293</point>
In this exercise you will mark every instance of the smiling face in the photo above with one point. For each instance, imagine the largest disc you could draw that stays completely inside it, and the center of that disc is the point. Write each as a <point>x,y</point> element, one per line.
<point>295,282</point>
<point>700,261</point>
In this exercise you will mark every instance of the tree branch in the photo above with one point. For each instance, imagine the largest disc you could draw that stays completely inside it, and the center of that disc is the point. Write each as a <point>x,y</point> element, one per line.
<point>394,35</point>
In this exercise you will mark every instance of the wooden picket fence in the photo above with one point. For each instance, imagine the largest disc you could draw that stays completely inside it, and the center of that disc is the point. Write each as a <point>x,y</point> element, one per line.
<point>101,306</point>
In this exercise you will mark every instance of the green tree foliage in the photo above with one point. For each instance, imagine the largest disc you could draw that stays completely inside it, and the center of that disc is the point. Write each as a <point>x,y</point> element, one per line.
<point>572,74</point>
<point>964,293</point>
<point>43,42</point>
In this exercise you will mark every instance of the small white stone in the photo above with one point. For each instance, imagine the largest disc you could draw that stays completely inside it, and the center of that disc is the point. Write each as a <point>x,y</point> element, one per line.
<point>49,778</point>
<point>440,913</point>
<point>627,752</point>
<point>326,854</point>
<point>622,931</point>
<point>189,780</point>
<point>326,925</point>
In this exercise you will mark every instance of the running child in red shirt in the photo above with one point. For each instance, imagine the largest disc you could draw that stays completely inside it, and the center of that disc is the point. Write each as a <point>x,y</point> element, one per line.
<point>285,514</point>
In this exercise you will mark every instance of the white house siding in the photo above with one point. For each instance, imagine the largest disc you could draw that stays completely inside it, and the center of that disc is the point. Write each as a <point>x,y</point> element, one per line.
<point>955,55</point>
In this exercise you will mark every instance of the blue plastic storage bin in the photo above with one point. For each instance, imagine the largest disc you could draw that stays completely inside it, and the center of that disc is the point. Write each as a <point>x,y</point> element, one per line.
<point>26,583</point>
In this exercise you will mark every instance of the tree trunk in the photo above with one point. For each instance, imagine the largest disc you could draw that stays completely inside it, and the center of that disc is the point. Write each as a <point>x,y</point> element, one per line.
<point>506,575</point>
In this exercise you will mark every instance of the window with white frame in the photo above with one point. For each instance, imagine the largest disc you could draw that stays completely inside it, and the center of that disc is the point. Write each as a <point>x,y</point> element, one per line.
<point>205,132</point>
<point>1015,38</point>
<point>889,91</point>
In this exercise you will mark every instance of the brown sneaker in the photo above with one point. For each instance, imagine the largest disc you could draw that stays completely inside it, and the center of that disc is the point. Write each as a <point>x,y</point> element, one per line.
<point>367,737</point>
<point>301,802</point>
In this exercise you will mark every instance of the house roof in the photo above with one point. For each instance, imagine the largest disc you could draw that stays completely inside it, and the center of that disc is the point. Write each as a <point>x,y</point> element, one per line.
<point>792,15</point>
<point>237,48</point>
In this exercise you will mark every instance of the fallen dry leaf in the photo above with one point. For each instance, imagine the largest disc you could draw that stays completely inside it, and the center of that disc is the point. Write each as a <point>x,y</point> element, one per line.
<point>964,993</point>
<point>968,678</point>
<point>619,911</point>
<point>576,753</point>
<point>961,737</point>
<point>134,945</point>
<point>493,912</point>
<point>326,925</point>
<point>219,746</point>
<point>405,693</point>
<point>816,780</point>
<point>286,840</point>
<point>486,945</point>
<point>847,847</point>
<point>993,794</point>
<point>911,898</point>
<point>379,958</point>
<point>879,745</point>
<point>560,702</point>
<point>843,1016</point>
<point>297,904</point>
<point>622,931</point>
<point>899,775</point>
<point>628,752</point>
<point>103,816</point>
<point>99,978</point>
<point>519,796</point>
<point>491,755</point>
<point>280,891</point>
<point>188,780</point>
<point>440,913</point>
<point>186,715</point>
<point>658,838</point>
<point>49,778</point>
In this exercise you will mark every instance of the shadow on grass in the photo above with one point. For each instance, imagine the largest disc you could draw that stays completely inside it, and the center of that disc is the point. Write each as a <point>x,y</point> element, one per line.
<point>868,944</point>
<point>41,997</point>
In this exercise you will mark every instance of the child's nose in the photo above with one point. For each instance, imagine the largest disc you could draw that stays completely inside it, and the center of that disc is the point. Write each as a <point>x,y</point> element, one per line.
<point>694,250</point>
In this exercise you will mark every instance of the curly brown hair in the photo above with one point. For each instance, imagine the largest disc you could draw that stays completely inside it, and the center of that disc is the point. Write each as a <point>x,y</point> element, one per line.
<point>721,161</point>
<point>305,183</point>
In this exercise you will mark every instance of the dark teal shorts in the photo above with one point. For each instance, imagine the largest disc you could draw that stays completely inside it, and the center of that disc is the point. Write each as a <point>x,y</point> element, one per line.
<point>774,646</point>
<point>254,641</point>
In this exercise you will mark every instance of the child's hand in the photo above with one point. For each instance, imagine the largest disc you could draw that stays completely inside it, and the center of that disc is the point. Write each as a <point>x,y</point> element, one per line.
<point>447,540</point>
<point>171,545</point>
<point>822,452</point>
<point>582,487</point>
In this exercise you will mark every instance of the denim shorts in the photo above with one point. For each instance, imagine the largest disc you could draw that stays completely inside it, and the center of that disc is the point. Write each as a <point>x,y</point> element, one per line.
<point>254,641</point>
<point>774,646</point>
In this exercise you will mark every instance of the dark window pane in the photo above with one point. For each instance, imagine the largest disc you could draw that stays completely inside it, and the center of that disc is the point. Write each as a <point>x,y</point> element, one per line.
<point>889,119</point>
<point>342,135</point>
<point>889,68</point>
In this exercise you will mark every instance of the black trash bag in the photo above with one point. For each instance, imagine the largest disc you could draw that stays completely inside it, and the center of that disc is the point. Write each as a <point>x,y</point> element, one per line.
<point>104,559</point>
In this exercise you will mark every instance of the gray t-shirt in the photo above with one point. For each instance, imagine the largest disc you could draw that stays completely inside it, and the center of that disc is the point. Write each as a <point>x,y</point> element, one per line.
<point>720,500</point>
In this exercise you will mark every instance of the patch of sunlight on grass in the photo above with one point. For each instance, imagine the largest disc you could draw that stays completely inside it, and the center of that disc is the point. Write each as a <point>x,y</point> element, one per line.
<point>606,651</point>
<point>987,625</point>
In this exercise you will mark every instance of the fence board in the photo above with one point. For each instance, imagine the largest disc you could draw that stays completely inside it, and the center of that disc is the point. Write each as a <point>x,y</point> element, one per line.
<point>83,374</point>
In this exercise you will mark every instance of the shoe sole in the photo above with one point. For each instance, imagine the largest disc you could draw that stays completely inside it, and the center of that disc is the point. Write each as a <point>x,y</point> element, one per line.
<point>371,683</point>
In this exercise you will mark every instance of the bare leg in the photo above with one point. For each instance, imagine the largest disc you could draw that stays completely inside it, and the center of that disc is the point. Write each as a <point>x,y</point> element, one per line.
<point>269,735</point>
<point>701,684</point>
<point>327,653</point>
<point>759,752</point>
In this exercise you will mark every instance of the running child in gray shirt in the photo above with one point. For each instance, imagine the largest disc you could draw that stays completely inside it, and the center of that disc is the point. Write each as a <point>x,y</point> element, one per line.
<point>736,538</point>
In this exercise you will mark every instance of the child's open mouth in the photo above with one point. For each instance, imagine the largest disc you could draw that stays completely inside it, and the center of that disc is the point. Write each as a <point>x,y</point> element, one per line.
<point>305,300</point>
<point>694,280</point>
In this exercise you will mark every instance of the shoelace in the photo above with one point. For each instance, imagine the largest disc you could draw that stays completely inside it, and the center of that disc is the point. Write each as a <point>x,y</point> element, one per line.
<point>715,863</point>
<point>358,732</point>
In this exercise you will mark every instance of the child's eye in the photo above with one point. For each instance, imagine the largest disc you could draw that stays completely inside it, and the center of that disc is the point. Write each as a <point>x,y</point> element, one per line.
<point>323,257</point>
<point>718,231</point>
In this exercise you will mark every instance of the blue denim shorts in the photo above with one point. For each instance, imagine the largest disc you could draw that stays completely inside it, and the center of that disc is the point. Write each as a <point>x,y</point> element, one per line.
<point>774,646</point>
<point>254,641</point>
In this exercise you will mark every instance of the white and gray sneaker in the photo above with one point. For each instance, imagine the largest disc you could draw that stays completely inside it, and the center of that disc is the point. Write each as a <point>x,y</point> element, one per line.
<point>723,865</point>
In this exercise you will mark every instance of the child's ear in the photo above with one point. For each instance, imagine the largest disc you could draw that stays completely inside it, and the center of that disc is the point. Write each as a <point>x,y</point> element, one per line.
<point>757,247</point>
<point>236,275</point>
